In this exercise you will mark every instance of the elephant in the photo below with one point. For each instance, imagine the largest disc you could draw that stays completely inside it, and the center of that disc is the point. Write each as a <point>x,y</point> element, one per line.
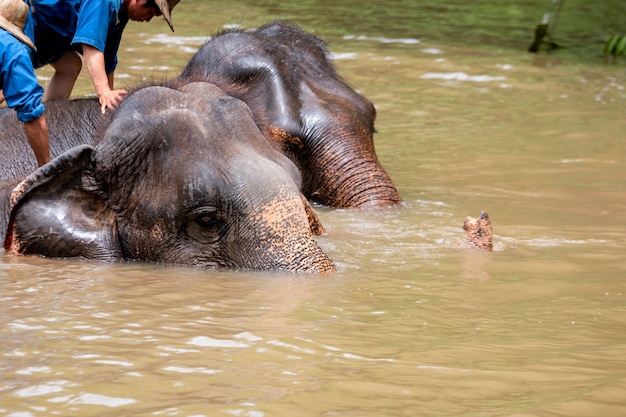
<point>175,176</point>
<point>312,115</point>
<point>298,100</point>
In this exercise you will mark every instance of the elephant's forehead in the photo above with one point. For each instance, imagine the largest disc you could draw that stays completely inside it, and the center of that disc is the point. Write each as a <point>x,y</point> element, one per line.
<point>226,129</point>
<point>240,175</point>
<point>239,188</point>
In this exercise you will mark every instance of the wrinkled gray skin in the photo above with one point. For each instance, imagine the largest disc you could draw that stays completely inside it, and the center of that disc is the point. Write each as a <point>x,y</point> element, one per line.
<point>70,123</point>
<point>287,79</point>
<point>178,177</point>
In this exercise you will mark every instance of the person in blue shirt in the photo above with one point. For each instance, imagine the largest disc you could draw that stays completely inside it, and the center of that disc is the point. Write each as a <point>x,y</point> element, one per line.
<point>18,81</point>
<point>65,28</point>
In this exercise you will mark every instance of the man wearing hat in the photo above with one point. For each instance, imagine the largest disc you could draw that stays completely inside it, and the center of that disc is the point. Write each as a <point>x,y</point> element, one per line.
<point>64,28</point>
<point>17,77</point>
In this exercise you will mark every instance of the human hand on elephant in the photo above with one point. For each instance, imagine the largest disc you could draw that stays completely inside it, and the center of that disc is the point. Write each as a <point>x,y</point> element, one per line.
<point>110,99</point>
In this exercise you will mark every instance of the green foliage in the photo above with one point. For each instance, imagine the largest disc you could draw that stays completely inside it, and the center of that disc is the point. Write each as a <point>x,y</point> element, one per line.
<point>614,47</point>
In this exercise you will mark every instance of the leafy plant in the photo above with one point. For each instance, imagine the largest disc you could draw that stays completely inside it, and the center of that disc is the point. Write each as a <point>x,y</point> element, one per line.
<point>614,47</point>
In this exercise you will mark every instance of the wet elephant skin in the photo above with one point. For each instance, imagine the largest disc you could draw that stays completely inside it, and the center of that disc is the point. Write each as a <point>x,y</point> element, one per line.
<point>309,112</point>
<point>169,182</point>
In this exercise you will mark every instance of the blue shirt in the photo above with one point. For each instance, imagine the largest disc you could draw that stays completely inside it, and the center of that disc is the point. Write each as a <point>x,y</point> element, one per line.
<point>18,80</point>
<point>64,25</point>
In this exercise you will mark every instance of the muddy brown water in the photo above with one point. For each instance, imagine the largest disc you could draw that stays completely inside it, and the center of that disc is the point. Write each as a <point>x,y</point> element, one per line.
<point>410,324</point>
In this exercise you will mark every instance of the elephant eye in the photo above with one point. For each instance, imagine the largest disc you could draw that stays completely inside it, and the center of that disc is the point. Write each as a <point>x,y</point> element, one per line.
<point>206,221</point>
<point>205,225</point>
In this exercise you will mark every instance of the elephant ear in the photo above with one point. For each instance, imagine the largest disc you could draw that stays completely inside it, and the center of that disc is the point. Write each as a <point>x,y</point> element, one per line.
<point>55,212</point>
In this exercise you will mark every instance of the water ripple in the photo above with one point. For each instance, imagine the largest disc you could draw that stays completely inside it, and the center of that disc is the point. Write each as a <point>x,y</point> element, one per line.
<point>461,76</point>
<point>206,341</point>
<point>405,41</point>
<point>94,399</point>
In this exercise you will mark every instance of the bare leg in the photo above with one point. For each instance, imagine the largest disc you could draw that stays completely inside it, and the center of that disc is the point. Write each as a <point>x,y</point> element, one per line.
<point>37,133</point>
<point>66,70</point>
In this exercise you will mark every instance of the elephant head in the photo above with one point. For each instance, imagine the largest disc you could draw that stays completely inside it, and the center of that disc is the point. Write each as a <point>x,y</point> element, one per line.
<point>179,177</point>
<point>311,114</point>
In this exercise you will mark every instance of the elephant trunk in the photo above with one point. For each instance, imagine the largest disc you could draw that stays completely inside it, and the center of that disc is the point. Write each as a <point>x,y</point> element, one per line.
<point>277,235</point>
<point>350,174</point>
<point>300,254</point>
<point>363,184</point>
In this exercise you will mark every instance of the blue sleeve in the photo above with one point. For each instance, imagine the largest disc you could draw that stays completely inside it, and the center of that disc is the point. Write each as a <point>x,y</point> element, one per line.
<point>113,44</point>
<point>18,80</point>
<point>97,19</point>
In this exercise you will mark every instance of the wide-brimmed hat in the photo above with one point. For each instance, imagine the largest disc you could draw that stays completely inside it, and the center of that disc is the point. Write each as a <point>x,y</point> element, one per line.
<point>166,6</point>
<point>13,15</point>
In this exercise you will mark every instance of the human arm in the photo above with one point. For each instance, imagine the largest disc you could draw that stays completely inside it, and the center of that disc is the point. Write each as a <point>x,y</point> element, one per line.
<point>102,82</point>
<point>23,93</point>
<point>37,133</point>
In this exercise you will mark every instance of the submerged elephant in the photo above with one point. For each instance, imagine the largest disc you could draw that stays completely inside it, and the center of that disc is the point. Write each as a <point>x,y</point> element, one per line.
<point>312,115</point>
<point>300,103</point>
<point>178,177</point>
